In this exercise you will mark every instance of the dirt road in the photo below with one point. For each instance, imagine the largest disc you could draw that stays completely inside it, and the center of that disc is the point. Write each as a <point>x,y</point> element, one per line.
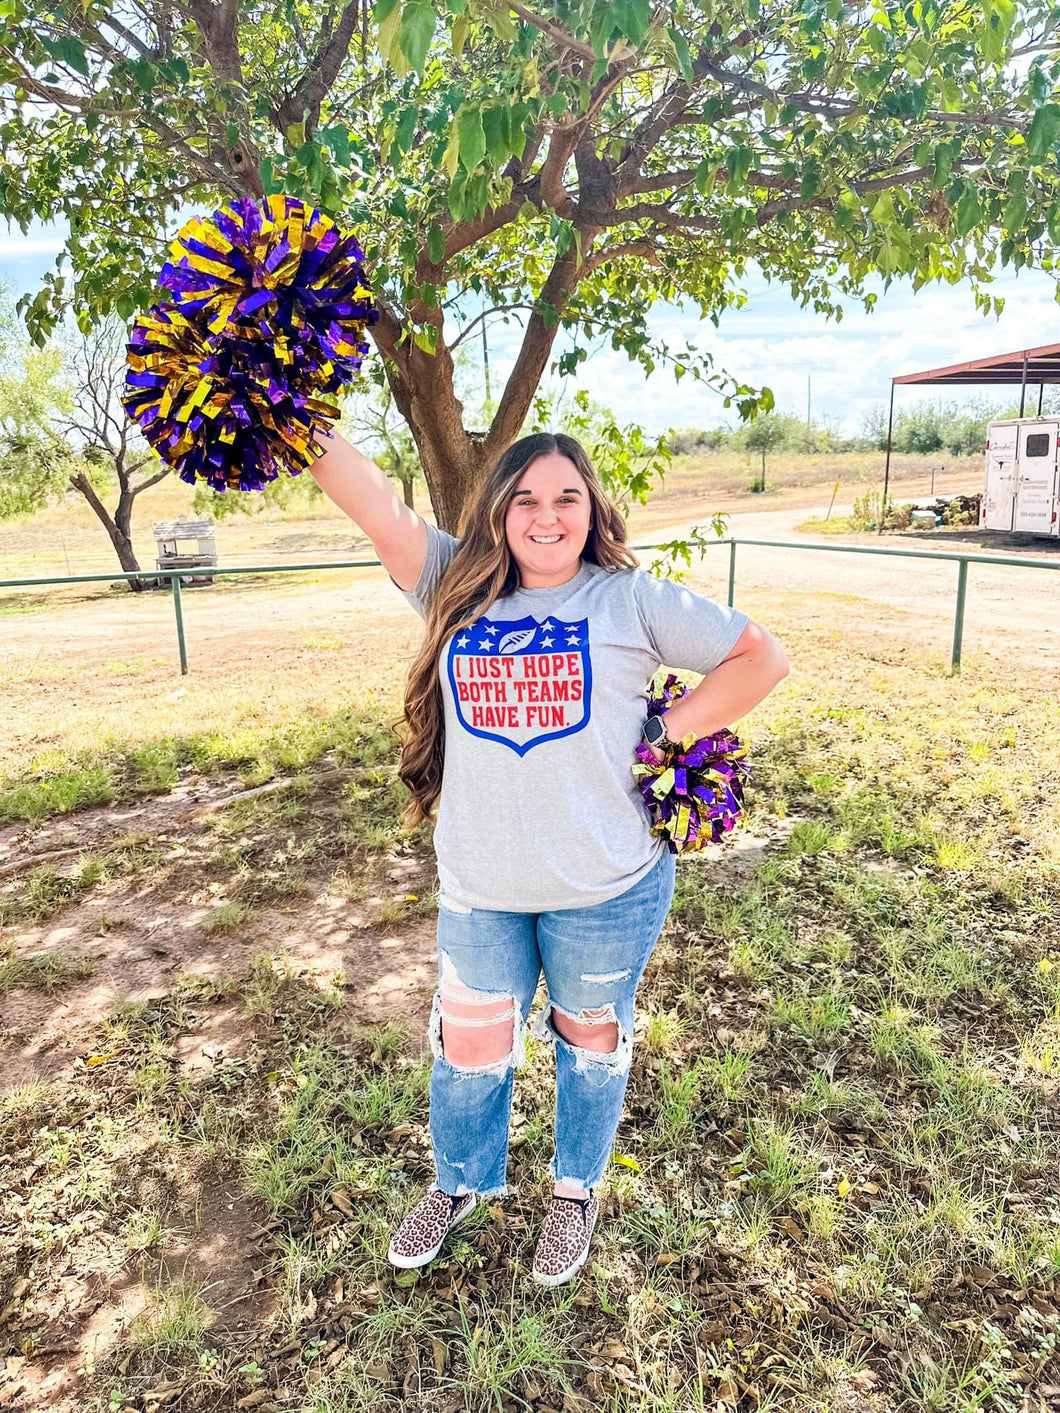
<point>79,669</point>
<point>1009,610</point>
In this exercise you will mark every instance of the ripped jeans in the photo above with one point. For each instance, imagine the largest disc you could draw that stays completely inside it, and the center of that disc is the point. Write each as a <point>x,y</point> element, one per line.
<point>593,959</point>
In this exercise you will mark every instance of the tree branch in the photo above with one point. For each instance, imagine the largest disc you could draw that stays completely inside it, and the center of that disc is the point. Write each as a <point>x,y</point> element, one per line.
<point>538,338</point>
<point>555,32</point>
<point>494,309</point>
<point>642,249</point>
<point>844,108</point>
<point>151,480</point>
<point>321,71</point>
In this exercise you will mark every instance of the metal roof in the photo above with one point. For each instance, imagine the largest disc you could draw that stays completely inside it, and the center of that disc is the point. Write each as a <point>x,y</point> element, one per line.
<point>1028,365</point>
<point>183,529</point>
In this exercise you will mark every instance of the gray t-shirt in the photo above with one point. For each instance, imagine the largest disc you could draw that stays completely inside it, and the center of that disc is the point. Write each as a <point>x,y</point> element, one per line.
<point>545,698</point>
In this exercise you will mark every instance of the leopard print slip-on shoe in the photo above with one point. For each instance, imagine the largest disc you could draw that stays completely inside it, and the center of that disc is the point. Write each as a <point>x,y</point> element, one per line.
<point>564,1241</point>
<point>420,1236</point>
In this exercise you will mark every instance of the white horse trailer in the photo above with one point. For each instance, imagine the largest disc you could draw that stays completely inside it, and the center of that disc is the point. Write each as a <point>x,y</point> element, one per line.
<point>1022,491</point>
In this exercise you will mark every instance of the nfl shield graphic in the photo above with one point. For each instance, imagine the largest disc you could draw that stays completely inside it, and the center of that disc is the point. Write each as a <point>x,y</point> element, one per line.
<point>520,681</point>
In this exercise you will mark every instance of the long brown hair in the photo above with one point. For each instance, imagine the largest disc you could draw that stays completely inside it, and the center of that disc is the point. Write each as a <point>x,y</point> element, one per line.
<point>481,571</point>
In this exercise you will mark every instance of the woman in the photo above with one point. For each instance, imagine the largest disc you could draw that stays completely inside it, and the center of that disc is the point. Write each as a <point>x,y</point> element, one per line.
<point>524,706</point>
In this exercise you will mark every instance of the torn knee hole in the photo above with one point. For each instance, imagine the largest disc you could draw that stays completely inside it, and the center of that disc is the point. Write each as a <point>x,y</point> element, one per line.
<point>594,1030</point>
<point>475,1031</point>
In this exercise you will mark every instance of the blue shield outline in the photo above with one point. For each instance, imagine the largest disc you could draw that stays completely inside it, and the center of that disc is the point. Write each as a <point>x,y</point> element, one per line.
<point>493,631</point>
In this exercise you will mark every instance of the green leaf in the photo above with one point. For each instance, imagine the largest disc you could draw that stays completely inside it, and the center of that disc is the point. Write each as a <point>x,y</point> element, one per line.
<point>436,243</point>
<point>417,30</point>
<point>338,140</point>
<point>451,159</point>
<point>496,124</point>
<point>1044,131</point>
<point>1014,214</point>
<point>388,23</point>
<point>684,58</point>
<point>471,137</point>
<point>425,338</point>
<point>406,128</point>
<point>601,28</point>
<point>454,197</point>
<point>705,176</point>
<point>966,213</point>
<point>631,17</point>
<point>71,51</point>
<point>738,163</point>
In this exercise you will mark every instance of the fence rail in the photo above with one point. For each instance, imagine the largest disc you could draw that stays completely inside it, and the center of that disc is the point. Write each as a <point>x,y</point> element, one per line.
<point>175,575</point>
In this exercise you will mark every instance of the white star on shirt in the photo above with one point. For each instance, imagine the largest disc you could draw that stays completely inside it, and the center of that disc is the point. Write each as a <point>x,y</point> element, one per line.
<point>547,627</point>
<point>574,640</point>
<point>463,642</point>
<point>485,643</point>
<point>572,627</point>
<point>546,642</point>
<point>491,629</point>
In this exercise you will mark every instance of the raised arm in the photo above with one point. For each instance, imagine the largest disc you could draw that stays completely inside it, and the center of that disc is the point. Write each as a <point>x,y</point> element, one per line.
<point>362,490</point>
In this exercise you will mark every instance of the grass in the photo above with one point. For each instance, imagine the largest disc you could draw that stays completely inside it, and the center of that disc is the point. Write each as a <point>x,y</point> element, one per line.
<point>834,1179</point>
<point>127,770</point>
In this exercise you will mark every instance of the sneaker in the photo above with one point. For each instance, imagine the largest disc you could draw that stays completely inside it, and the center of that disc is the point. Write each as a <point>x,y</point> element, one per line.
<point>564,1241</point>
<point>420,1236</point>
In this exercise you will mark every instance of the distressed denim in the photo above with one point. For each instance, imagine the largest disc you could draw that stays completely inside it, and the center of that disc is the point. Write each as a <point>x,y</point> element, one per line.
<point>593,959</point>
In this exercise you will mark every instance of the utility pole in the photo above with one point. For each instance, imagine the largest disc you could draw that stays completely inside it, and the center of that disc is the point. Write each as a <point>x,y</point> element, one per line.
<point>808,412</point>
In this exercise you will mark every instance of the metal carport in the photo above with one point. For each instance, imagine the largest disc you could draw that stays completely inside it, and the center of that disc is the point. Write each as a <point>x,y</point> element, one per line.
<point>1029,365</point>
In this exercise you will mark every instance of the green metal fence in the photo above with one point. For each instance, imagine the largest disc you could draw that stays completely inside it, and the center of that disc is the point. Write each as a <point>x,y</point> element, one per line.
<point>962,562</point>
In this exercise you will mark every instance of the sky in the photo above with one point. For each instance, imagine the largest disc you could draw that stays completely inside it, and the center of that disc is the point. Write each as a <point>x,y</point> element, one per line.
<point>770,341</point>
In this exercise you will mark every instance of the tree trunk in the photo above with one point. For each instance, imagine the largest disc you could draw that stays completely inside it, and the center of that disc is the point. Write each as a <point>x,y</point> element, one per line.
<point>119,537</point>
<point>422,385</point>
<point>454,461</point>
<point>406,486</point>
<point>762,484</point>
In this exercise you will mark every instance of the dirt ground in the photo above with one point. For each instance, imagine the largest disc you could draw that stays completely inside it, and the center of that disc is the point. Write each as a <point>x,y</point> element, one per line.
<point>81,665</point>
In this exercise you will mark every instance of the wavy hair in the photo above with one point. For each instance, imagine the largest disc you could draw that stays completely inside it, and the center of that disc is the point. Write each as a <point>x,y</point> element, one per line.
<point>481,571</point>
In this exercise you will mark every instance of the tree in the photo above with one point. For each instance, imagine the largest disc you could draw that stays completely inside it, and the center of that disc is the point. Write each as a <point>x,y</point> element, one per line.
<point>573,161</point>
<point>62,428</point>
<point>764,435</point>
<point>106,437</point>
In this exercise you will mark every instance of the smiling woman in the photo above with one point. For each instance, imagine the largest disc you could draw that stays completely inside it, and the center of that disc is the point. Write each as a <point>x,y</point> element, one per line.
<point>524,708</point>
<point>548,523</point>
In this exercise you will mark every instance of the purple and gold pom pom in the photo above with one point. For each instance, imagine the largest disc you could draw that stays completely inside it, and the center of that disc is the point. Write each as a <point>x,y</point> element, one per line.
<point>267,308</point>
<point>694,797</point>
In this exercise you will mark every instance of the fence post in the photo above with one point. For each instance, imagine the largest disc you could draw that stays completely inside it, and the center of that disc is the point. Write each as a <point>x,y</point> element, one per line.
<point>958,617</point>
<point>732,571</point>
<point>175,581</point>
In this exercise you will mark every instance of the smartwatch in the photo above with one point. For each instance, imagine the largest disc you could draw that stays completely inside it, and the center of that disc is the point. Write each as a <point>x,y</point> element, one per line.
<point>655,734</point>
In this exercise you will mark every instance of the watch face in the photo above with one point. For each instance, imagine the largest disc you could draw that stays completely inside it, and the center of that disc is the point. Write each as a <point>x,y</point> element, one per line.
<point>654,730</point>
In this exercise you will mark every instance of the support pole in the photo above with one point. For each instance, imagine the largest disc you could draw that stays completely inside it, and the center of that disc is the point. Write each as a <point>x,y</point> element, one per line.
<point>1041,394</point>
<point>732,571</point>
<point>175,580</point>
<point>958,617</point>
<point>1023,384</point>
<point>887,464</point>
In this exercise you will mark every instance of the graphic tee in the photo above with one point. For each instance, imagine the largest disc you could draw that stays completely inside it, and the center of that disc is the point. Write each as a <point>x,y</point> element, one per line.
<point>545,697</point>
